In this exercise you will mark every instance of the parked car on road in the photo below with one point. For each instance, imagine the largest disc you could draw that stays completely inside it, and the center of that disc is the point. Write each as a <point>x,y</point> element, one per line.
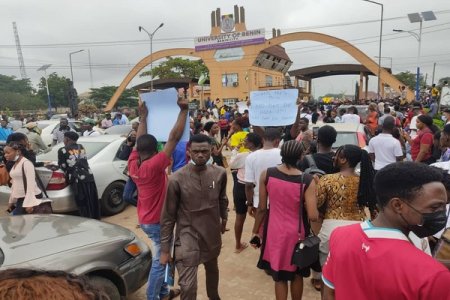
<point>105,165</point>
<point>112,257</point>
<point>362,110</point>
<point>347,133</point>
<point>48,126</point>
<point>119,129</point>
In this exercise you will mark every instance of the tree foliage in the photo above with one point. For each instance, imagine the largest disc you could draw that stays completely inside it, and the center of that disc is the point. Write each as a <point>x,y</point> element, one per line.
<point>15,85</point>
<point>18,94</point>
<point>58,87</point>
<point>409,79</point>
<point>87,108</point>
<point>15,101</point>
<point>101,96</point>
<point>178,68</point>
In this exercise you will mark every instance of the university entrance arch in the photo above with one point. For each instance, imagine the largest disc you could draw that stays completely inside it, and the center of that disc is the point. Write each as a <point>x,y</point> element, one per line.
<point>251,52</point>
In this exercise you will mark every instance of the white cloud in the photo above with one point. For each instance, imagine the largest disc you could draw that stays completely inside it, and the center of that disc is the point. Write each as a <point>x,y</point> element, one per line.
<point>61,22</point>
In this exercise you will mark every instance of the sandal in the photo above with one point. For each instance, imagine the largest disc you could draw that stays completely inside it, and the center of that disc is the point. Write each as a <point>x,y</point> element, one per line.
<point>317,284</point>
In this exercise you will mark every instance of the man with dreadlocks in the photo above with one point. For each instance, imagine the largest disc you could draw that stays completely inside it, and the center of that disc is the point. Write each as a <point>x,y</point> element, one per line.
<point>345,194</point>
<point>284,185</point>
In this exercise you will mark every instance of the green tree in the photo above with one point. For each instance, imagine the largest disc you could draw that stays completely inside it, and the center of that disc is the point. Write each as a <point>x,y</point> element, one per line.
<point>178,68</point>
<point>14,85</point>
<point>17,94</point>
<point>101,96</point>
<point>15,102</point>
<point>58,87</point>
<point>409,79</point>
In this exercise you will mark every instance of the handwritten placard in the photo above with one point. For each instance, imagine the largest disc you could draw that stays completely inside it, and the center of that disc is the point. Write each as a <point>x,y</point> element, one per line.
<point>163,112</point>
<point>273,108</point>
<point>242,106</point>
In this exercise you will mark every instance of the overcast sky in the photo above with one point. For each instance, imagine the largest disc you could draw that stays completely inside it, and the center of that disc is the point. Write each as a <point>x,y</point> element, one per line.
<point>50,29</point>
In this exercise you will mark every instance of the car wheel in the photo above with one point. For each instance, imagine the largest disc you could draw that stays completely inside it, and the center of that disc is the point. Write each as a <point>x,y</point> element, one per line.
<point>112,199</point>
<point>106,286</point>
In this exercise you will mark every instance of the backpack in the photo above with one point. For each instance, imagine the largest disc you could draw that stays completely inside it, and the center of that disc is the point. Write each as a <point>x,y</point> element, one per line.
<point>313,169</point>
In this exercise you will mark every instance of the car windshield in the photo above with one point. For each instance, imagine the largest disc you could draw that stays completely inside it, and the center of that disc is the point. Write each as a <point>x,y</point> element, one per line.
<point>344,138</point>
<point>92,148</point>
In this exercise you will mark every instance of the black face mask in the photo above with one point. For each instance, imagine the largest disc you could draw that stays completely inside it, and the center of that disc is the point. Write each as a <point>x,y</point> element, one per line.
<point>431,222</point>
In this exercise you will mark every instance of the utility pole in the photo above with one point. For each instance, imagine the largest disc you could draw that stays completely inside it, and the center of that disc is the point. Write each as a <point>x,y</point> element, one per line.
<point>90,69</point>
<point>23,73</point>
<point>432,77</point>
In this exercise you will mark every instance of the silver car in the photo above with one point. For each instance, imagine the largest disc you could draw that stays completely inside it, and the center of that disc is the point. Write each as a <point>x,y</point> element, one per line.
<point>112,257</point>
<point>107,168</point>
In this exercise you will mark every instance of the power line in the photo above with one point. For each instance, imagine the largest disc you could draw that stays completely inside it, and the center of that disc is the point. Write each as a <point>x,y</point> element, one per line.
<point>189,39</point>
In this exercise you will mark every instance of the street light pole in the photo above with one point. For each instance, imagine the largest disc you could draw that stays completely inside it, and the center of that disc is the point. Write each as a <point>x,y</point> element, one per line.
<point>379,47</point>
<point>150,35</point>
<point>44,68</point>
<point>418,18</point>
<point>70,59</point>
<point>72,102</point>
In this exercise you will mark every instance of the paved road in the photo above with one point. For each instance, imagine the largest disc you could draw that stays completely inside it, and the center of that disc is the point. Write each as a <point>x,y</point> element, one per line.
<point>239,277</point>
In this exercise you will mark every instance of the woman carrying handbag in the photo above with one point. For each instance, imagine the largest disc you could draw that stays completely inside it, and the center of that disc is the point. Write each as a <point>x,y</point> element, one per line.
<point>287,187</point>
<point>26,197</point>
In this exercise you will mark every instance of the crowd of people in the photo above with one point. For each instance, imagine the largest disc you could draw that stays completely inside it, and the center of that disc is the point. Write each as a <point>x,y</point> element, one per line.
<point>379,212</point>
<point>293,184</point>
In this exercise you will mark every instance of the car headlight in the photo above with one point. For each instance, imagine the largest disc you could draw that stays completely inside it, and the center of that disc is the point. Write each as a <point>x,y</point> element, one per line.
<point>133,249</point>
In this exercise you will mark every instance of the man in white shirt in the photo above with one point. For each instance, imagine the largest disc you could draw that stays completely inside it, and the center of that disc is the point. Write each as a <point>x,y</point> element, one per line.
<point>384,149</point>
<point>257,162</point>
<point>351,116</point>
<point>413,124</point>
<point>88,125</point>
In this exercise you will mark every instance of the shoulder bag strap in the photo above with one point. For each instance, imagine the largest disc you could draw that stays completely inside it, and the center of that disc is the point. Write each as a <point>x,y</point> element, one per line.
<point>311,161</point>
<point>302,199</point>
<point>38,180</point>
<point>40,183</point>
<point>303,214</point>
<point>24,178</point>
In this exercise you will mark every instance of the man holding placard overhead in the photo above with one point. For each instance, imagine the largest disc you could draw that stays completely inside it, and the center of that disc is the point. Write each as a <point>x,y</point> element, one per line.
<point>147,169</point>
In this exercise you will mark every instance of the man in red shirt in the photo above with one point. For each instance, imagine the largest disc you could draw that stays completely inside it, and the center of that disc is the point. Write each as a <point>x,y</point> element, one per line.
<point>376,260</point>
<point>147,168</point>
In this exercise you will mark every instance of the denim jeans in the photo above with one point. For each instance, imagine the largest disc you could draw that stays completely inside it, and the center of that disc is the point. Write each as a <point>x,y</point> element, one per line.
<point>129,192</point>
<point>156,288</point>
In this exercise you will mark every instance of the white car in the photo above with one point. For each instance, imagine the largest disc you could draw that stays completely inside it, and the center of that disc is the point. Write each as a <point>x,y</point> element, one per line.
<point>102,152</point>
<point>48,126</point>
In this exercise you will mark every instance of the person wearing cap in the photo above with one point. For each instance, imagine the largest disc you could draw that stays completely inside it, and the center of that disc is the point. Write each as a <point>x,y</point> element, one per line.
<point>87,126</point>
<point>34,138</point>
<point>58,133</point>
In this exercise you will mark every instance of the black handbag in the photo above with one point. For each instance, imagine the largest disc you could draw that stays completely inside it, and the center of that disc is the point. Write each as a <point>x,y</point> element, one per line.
<point>306,252</point>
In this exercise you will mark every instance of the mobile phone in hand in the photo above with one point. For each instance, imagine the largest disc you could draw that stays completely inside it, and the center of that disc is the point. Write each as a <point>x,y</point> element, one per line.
<point>256,241</point>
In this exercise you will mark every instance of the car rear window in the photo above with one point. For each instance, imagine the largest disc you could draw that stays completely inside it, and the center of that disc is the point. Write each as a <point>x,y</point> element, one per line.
<point>344,138</point>
<point>92,148</point>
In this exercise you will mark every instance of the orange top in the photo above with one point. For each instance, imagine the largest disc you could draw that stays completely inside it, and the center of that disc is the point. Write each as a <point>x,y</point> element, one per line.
<point>372,122</point>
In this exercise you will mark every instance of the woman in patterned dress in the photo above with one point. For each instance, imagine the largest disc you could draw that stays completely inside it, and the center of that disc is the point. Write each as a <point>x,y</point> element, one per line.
<point>345,195</point>
<point>72,160</point>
